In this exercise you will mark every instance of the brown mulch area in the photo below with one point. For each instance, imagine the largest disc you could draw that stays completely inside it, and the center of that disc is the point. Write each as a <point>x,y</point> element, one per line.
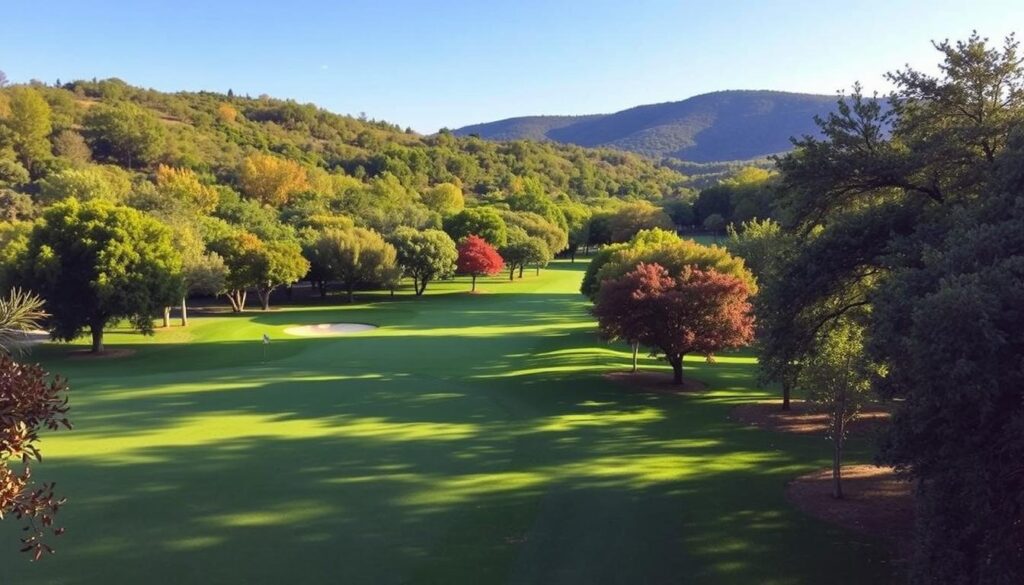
<point>85,354</point>
<point>875,503</point>
<point>657,382</point>
<point>801,419</point>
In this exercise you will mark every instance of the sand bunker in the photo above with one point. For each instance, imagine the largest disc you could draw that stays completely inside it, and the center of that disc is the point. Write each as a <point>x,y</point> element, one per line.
<point>329,329</point>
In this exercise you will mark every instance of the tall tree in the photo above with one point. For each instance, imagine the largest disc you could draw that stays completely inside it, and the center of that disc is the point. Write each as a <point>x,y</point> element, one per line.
<point>444,198</point>
<point>356,257</point>
<point>96,263</point>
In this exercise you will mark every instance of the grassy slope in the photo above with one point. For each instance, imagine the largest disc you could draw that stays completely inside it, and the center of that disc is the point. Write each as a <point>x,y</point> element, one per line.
<point>469,440</point>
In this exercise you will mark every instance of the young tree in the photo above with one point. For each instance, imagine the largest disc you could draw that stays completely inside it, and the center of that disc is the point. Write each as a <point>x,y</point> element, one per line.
<point>242,254</point>
<point>124,133</point>
<point>699,311</point>
<point>836,381</point>
<point>477,257</point>
<point>483,222</point>
<point>97,263</point>
<point>271,180</point>
<point>424,255</point>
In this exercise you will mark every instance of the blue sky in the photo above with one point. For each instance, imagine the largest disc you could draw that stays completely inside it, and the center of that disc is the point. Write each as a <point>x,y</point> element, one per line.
<point>435,63</point>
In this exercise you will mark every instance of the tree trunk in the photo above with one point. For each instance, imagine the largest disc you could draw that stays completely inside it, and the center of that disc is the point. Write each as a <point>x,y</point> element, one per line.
<point>422,286</point>
<point>636,349</point>
<point>97,337</point>
<point>473,288</point>
<point>837,461</point>
<point>289,292</point>
<point>785,394</point>
<point>264,295</point>
<point>677,368</point>
<point>184,312</point>
<point>237,300</point>
<point>521,269</point>
<point>167,317</point>
<point>351,293</point>
<point>511,271</point>
<point>572,255</point>
<point>322,285</point>
<point>538,269</point>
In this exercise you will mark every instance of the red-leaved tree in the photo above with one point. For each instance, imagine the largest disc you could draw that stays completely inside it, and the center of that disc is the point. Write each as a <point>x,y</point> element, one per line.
<point>477,257</point>
<point>29,402</point>
<point>699,311</point>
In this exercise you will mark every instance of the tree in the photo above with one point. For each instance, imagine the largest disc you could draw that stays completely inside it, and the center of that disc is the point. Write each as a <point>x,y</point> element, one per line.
<point>577,218</point>
<point>124,133</point>
<point>537,253</point>
<point>29,402</point>
<point>444,198</point>
<point>766,247</point>
<point>202,273</point>
<point>837,381</point>
<point>424,255</point>
<point>241,251</point>
<point>714,223</point>
<point>535,225</point>
<point>280,262</point>
<point>635,216</point>
<point>71,146</point>
<point>516,252</point>
<point>271,180</point>
<point>699,311</point>
<point>898,198</point>
<point>183,185</point>
<point>96,263</point>
<point>477,257</point>
<point>85,184</point>
<point>355,257</point>
<point>29,125</point>
<point>484,222</point>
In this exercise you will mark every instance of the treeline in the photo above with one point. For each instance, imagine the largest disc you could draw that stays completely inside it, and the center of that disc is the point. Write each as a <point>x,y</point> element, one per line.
<point>896,269</point>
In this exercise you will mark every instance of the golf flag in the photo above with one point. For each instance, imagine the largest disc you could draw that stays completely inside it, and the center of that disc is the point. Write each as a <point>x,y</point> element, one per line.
<point>266,339</point>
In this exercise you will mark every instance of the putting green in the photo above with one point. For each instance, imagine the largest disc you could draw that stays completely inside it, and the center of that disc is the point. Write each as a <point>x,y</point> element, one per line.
<point>469,439</point>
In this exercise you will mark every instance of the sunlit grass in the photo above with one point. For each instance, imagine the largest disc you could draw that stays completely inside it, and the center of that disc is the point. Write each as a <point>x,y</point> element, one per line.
<point>469,439</point>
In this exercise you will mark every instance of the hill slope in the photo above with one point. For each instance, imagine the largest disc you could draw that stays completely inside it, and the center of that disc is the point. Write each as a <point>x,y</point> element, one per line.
<point>720,126</point>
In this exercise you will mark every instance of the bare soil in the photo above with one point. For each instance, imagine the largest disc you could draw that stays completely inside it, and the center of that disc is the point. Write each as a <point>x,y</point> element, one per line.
<point>875,503</point>
<point>657,382</point>
<point>801,419</point>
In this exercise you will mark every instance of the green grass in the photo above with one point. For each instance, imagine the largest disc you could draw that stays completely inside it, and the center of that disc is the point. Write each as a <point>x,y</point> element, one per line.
<point>471,439</point>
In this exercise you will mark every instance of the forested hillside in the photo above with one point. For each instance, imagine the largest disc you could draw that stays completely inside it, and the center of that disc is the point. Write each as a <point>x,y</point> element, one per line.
<point>713,127</point>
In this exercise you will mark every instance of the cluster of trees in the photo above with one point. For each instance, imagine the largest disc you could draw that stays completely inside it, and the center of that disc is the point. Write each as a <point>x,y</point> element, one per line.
<point>671,295</point>
<point>896,266</point>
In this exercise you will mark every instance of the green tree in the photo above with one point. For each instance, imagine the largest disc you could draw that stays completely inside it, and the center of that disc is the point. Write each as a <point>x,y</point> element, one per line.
<point>837,381</point>
<point>124,133</point>
<point>356,257</point>
<point>97,263</point>
<point>444,198</point>
<point>424,255</point>
<point>29,125</point>
<point>478,221</point>
<point>85,184</point>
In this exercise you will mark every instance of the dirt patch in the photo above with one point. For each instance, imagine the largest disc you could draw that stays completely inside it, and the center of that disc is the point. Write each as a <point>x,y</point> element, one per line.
<point>802,419</point>
<point>658,382</point>
<point>85,354</point>
<point>875,502</point>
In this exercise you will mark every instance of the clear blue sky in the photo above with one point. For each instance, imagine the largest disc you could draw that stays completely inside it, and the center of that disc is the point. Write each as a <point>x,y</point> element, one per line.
<point>434,63</point>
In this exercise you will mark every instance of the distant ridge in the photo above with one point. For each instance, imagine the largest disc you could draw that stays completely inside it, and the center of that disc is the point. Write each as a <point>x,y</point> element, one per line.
<point>720,126</point>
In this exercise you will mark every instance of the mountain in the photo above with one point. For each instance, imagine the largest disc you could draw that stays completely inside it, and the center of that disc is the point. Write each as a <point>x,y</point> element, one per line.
<point>719,126</point>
